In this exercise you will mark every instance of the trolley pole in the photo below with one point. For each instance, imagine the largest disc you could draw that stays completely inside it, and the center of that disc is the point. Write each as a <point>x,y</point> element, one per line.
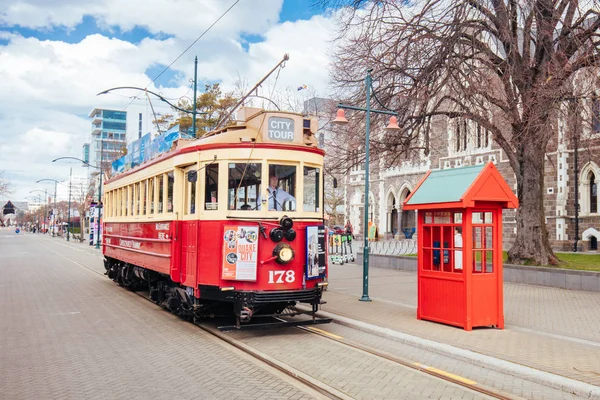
<point>195,98</point>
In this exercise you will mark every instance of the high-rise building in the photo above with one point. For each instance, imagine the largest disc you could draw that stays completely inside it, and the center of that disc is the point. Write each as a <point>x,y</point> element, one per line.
<point>108,137</point>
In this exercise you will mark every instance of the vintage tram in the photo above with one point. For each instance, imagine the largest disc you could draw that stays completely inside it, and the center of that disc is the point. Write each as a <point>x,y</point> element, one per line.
<point>228,223</point>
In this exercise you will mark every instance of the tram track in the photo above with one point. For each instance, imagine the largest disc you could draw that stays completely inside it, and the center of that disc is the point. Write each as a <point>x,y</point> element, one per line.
<point>431,371</point>
<point>298,376</point>
<point>308,381</point>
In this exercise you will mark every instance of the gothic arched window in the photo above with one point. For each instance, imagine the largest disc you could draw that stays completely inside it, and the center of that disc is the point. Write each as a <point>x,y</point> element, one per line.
<point>593,193</point>
<point>596,115</point>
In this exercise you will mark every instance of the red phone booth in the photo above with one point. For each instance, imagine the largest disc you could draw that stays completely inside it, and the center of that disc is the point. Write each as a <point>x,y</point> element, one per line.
<point>460,245</point>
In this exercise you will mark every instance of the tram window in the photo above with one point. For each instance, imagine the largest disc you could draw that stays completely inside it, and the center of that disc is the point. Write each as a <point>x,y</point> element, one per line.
<point>131,199</point>
<point>282,187</point>
<point>160,193</point>
<point>193,197</point>
<point>117,212</point>
<point>123,198</point>
<point>211,191</point>
<point>312,179</point>
<point>126,201</point>
<point>151,195</point>
<point>244,185</point>
<point>138,198</point>
<point>143,195</point>
<point>190,194</point>
<point>170,181</point>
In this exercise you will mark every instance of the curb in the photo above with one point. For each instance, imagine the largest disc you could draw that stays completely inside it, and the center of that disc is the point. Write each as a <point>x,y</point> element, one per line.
<point>582,389</point>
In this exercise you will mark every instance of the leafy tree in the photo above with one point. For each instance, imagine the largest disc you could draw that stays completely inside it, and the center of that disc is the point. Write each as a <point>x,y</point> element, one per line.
<point>213,104</point>
<point>506,65</point>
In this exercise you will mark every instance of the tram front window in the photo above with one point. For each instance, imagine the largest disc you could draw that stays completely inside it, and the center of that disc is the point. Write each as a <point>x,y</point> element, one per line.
<point>244,186</point>
<point>282,188</point>
<point>312,180</point>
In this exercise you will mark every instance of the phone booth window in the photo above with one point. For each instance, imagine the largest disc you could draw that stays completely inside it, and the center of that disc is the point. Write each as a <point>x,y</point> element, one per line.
<point>483,242</point>
<point>442,242</point>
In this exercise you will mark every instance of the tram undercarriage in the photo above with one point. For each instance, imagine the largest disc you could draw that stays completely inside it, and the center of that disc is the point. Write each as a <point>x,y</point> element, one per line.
<point>275,306</point>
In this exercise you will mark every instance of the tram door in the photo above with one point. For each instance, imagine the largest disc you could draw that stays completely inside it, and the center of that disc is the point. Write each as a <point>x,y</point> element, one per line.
<point>189,228</point>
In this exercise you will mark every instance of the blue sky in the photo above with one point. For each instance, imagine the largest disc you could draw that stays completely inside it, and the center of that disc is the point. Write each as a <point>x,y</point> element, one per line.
<point>56,55</point>
<point>291,11</point>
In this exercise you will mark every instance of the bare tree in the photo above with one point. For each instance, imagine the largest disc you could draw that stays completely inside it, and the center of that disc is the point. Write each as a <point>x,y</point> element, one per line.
<point>506,65</point>
<point>4,185</point>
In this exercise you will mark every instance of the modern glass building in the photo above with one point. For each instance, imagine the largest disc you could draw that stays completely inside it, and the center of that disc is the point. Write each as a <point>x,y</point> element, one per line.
<point>109,136</point>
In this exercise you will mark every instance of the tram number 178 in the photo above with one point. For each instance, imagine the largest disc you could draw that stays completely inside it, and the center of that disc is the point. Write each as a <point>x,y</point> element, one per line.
<point>282,276</point>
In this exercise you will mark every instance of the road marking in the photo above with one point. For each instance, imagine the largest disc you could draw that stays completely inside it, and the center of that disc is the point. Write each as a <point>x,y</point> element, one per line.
<point>322,332</point>
<point>447,374</point>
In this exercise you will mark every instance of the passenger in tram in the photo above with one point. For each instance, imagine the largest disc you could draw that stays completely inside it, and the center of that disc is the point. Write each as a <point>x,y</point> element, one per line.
<point>277,196</point>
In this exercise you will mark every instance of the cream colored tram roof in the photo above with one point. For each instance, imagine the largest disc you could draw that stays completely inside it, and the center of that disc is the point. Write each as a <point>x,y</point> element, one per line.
<point>254,128</point>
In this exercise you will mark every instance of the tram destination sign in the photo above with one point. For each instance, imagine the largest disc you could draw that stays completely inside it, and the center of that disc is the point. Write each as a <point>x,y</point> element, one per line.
<point>281,129</point>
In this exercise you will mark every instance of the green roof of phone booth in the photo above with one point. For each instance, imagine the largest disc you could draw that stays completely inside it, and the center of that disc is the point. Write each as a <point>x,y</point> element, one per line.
<point>444,186</point>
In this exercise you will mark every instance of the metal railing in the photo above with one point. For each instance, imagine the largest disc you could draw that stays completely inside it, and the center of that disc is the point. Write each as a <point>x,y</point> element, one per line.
<point>393,247</point>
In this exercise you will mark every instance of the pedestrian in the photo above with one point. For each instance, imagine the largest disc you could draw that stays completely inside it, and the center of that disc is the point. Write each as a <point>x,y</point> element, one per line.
<point>349,229</point>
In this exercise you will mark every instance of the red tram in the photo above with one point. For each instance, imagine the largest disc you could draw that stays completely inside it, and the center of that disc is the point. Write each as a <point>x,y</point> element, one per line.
<point>231,222</point>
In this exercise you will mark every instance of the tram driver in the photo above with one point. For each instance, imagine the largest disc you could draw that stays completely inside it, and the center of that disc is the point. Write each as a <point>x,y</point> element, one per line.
<point>278,197</point>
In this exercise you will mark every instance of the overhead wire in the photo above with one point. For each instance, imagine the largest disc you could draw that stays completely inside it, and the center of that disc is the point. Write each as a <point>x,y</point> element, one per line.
<point>187,48</point>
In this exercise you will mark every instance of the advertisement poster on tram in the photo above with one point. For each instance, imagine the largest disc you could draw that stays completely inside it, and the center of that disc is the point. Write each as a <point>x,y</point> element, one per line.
<point>240,253</point>
<point>315,251</point>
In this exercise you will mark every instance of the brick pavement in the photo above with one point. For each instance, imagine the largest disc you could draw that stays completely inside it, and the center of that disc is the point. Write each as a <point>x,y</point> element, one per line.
<point>69,333</point>
<point>355,373</point>
<point>554,330</point>
<point>352,373</point>
<point>549,329</point>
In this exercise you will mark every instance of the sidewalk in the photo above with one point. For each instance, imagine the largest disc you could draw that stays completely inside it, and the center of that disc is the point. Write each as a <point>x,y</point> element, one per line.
<point>548,329</point>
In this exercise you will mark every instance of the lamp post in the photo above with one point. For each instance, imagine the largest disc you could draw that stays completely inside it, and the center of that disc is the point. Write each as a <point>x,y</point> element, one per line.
<point>194,111</point>
<point>393,125</point>
<point>45,202</point>
<point>54,207</point>
<point>99,191</point>
<point>39,202</point>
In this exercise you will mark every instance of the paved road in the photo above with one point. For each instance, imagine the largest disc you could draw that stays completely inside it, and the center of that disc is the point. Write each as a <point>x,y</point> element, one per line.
<point>549,329</point>
<point>67,332</point>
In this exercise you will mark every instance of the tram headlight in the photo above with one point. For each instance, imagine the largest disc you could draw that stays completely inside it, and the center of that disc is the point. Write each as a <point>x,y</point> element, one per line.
<point>283,253</point>
<point>276,235</point>
<point>290,234</point>
<point>286,223</point>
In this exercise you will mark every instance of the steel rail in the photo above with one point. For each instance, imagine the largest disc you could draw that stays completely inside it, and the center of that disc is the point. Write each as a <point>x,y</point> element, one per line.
<point>416,366</point>
<point>313,383</point>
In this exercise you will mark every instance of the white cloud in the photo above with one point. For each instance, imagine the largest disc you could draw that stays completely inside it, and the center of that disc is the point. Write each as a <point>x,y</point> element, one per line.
<point>182,18</point>
<point>47,88</point>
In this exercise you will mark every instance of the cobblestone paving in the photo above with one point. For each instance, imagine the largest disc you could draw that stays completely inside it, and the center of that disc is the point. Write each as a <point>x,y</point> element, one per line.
<point>551,329</point>
<point>357,374</point>
<point>554,330</point>
<point>486,377</point>
<point>69,333</point>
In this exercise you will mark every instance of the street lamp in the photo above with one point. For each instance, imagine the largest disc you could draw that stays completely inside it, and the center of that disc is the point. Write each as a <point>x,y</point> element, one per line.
<point>99,193</point>
<point>393,126</point>
<point>39,201</point>
<point>53,208</point>
<point>194,111</point>
<point>45,203</point>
